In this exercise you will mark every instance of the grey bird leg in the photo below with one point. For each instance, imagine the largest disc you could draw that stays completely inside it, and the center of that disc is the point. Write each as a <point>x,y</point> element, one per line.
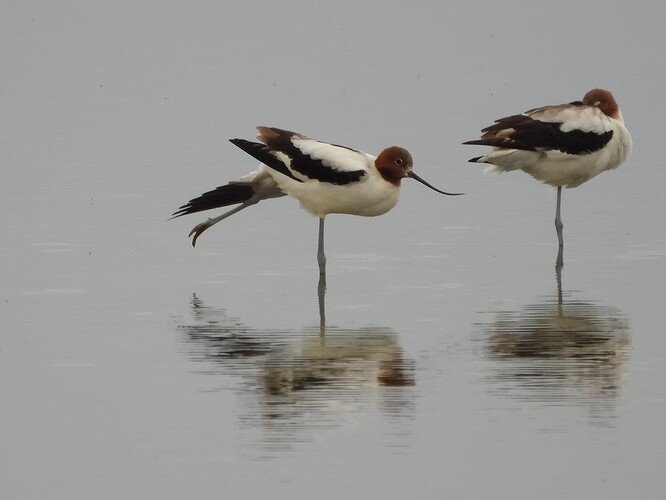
<point>261,193</point>
<point>321,288</point>
<point>200,228</point>
<point>558,219</point>
<point>321,257</point>
<point>559,263</point>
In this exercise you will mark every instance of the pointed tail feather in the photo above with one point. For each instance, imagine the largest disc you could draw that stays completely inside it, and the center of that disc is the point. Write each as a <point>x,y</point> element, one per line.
<point>229,194</point>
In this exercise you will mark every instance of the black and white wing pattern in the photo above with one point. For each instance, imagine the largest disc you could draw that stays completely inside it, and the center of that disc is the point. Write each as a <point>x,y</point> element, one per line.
<point>573,129</point>
<point>303,159</point>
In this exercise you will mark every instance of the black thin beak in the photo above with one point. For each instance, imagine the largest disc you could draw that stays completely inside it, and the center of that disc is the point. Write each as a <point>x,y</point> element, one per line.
<point>417,178</point>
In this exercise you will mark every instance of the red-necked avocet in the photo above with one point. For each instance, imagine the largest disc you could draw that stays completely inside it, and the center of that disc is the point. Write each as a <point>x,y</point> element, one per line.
<point>562,145</point>
<point>325,178</point>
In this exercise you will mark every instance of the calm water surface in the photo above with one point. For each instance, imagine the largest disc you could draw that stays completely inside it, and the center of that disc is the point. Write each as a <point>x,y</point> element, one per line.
<point>453,361</point>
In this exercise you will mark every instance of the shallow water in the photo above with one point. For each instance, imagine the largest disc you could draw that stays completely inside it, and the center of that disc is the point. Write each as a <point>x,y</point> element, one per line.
<point>451,362</point>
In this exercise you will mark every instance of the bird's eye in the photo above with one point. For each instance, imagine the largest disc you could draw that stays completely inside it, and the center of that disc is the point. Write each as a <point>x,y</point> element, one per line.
<point>398,161</point>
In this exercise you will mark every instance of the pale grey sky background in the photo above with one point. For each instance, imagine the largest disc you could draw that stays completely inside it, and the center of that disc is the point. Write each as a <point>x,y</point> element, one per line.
<point>115,113</point>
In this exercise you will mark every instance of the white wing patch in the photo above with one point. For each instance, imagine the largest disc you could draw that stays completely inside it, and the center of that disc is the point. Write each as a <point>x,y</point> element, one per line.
<point>583,118</point>
<point>335,157</point>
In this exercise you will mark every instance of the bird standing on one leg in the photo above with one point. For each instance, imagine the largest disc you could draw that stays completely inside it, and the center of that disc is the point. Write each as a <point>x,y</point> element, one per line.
<point>563,145</point>
<point>325,178</point>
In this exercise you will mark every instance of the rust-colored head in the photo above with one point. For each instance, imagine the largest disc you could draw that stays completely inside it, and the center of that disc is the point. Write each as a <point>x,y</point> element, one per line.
<point>395,163</point>
<point>603,100</point>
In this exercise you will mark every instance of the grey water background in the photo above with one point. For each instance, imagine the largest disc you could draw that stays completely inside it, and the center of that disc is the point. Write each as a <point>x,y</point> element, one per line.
<point>134,366</point>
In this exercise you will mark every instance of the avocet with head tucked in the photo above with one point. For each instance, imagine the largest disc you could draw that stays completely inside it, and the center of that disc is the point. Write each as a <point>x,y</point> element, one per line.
<point>324,178</point>
<point>563,145</point>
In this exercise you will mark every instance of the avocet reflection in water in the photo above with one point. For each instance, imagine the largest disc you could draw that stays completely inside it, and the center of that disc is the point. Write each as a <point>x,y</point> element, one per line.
<point>293,383</point>
<point>561,350</point>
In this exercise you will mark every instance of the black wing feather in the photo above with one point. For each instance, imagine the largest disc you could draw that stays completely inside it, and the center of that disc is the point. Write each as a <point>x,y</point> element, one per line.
<point>229,194</point>
<point>535,135</point>
<point>306,165</point>
<point>263,153</point>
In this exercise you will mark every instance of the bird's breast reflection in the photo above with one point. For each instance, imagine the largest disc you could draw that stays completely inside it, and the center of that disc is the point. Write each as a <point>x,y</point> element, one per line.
<point>340,359</point>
